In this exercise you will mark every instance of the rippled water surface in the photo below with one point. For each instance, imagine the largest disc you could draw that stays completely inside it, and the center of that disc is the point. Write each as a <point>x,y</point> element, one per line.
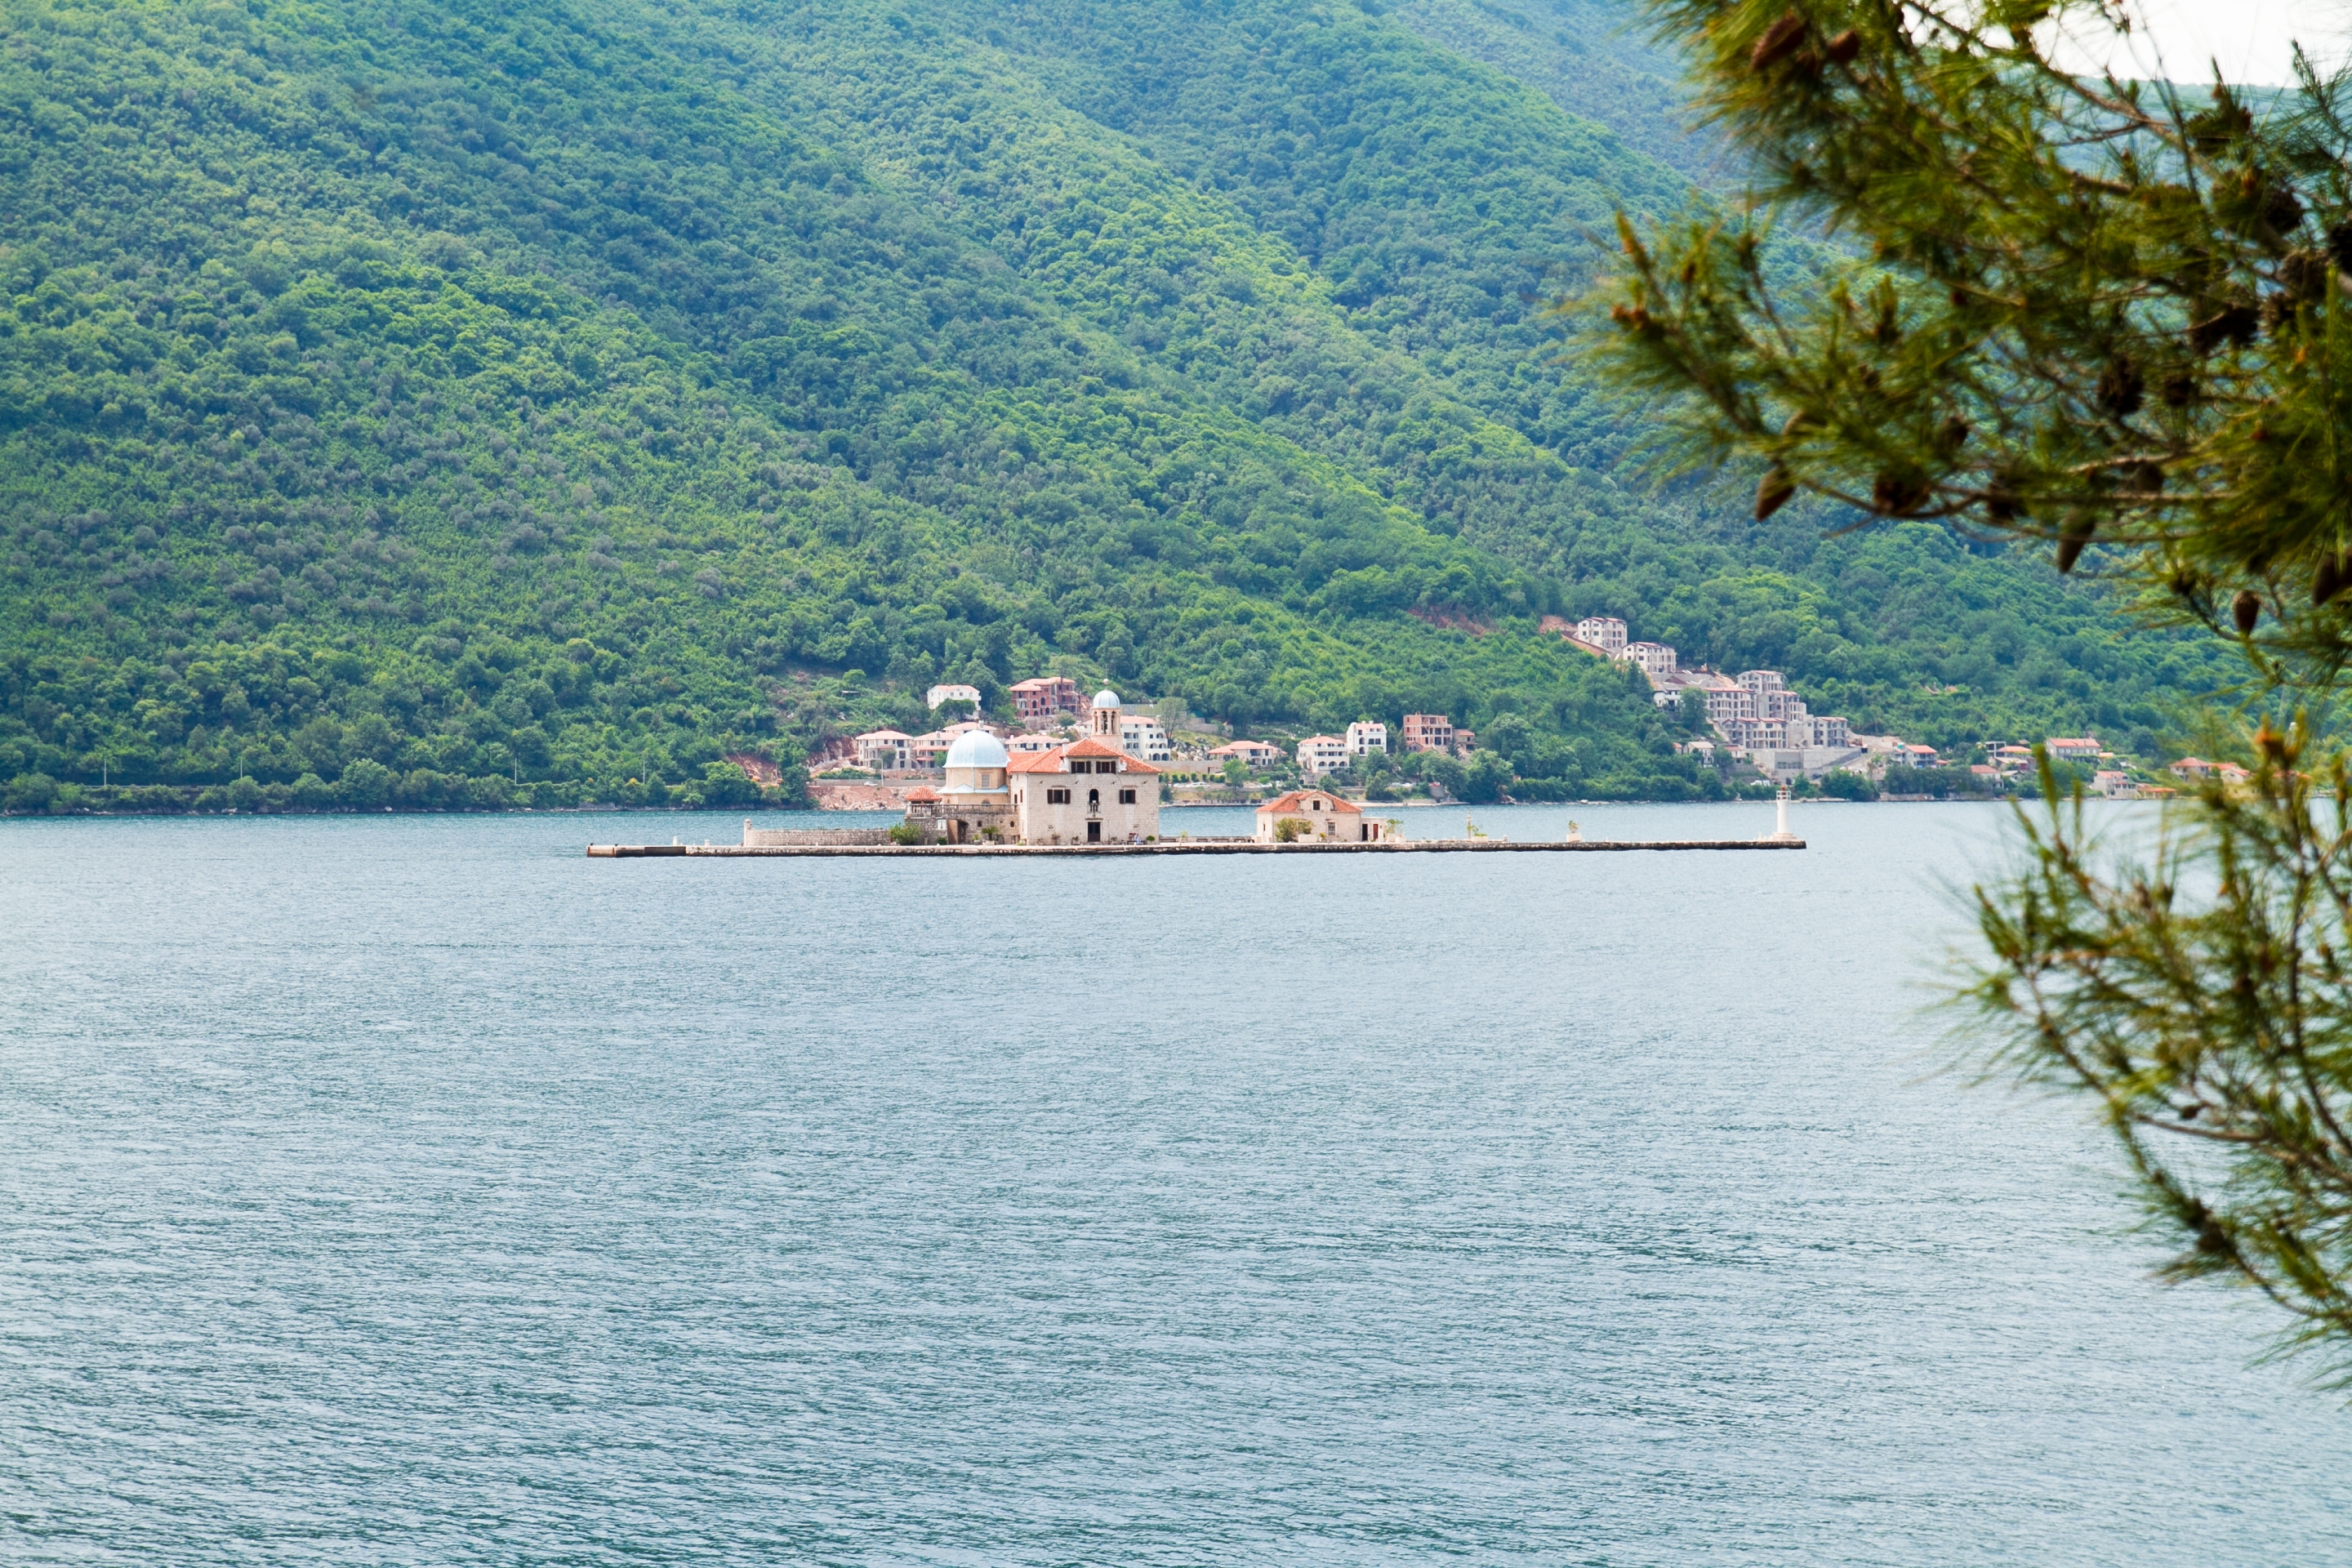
<point>416,1190</point>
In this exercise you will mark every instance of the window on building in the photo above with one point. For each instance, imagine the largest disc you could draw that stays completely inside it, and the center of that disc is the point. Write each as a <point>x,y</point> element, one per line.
<point>1094,798</point>
<point>1057,797</point>
<point>1126,797</point>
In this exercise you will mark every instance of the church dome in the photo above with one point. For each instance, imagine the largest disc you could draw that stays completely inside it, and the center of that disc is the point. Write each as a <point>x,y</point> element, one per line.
<point>977,749</point>
<point>1106,698</point>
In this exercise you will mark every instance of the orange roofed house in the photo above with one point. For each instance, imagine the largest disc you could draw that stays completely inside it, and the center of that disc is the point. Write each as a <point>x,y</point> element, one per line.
<point>2198,768</point>
<point>1088,792</point>
<point>1322,818</point>
<point>1252,754</point>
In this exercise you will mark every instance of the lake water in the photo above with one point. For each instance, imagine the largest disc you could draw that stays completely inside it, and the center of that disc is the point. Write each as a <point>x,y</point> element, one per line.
<point>416,1190</point>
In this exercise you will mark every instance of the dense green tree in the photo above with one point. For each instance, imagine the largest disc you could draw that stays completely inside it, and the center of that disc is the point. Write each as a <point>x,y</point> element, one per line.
<point>2111,315</point>
<point>1485,776</point>
<point>1843,784</point>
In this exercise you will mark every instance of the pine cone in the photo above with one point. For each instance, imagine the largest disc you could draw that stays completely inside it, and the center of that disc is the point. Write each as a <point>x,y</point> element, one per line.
<point>2339,246</point>
<point>2304,274</point>
<point>1897,495</point>
<point>1779,41</point>
<point>1774,492</point>
<point>2329,578</point>
<point>2120,387</point>
<point>2072,540</point>
<point>2282,210</point>
<point>2234,323</point>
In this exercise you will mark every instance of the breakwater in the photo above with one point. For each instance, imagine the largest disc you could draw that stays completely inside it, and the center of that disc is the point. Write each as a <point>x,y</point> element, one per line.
<point>1181,847</point>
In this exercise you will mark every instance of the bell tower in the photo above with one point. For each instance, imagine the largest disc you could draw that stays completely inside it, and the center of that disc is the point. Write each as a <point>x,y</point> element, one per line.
<point>1107,716</point>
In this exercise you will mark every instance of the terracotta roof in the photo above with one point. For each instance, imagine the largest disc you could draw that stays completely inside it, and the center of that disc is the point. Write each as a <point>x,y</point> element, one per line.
<point>921,792</point>
<point>1051,762</point>
<point>1296,802</point>
<point>1092,746</point>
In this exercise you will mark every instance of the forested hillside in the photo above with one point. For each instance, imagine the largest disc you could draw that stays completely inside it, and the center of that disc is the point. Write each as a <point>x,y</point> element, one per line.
<point>1595,58</point>
<point>454,404</point>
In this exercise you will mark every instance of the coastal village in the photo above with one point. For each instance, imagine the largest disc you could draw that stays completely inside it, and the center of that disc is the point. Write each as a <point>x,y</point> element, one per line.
<point>973,779</point>
<point>1095,789</point>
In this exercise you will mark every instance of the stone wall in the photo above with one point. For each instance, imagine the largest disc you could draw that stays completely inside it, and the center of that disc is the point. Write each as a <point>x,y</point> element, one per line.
<point>832,837</point>
<point>846,795</point>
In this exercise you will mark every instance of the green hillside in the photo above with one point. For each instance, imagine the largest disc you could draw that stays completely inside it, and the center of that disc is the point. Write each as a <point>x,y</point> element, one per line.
<point>1594,58</point>
<point>448,404</point>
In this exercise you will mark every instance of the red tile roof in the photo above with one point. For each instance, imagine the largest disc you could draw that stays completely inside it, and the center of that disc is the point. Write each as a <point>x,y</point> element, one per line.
<point>1295,801</point>
<point>921,792</point>
<point>1052,762</point>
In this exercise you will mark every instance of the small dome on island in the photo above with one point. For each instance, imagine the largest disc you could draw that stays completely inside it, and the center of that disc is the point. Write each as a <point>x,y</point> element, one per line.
<point>977,749</point>
<point>1106,698</point>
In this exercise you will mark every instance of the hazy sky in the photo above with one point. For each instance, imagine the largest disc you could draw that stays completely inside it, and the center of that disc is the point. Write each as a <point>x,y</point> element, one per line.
<point>2182,39</point>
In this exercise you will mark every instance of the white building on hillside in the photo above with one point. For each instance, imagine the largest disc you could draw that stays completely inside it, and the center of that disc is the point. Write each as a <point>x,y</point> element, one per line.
<point>1320,754</point>
<point>1606,633</point>
<point>1141,735</point>
<point>939,694</point>
<point>1364,737</point>
<point>1652,658</point>
<point>884,749</point>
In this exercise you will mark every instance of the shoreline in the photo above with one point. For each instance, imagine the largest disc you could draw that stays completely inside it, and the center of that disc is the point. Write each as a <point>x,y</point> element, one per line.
<point>593,807</point>
<point>1176,846</point>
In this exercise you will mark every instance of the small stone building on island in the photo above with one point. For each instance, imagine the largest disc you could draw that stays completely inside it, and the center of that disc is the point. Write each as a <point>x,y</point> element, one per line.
<point>1316,817</point>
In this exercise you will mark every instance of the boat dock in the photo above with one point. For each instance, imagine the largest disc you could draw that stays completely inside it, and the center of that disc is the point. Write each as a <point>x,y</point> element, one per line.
<point>1185,846</point>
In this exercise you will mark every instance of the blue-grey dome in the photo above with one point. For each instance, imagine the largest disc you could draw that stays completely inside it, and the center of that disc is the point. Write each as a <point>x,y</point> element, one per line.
<point>1106,698</point>
<point>977,749</point>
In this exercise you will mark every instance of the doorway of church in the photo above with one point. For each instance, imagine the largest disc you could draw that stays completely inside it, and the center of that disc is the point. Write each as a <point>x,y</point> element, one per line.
<point>1094,832</point>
